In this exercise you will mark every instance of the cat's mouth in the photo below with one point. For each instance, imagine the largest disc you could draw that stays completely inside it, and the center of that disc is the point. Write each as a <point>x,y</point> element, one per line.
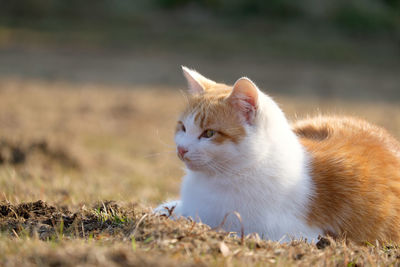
<point>194,165</point>
<point>187,161</point>
<point>190,164</point>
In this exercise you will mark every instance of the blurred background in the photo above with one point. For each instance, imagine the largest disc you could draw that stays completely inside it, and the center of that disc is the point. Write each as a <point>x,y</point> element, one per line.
<point>341,48</point>
<point>90,90</point>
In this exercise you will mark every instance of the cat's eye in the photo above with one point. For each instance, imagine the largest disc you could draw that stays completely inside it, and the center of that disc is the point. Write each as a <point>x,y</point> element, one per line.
<point>208,133</point>
<point>181,127</point>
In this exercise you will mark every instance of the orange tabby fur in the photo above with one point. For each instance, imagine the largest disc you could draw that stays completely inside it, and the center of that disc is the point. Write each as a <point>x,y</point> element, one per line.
<point>356,171</point>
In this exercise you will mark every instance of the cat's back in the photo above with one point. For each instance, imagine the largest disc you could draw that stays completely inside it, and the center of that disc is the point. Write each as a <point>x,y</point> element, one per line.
<point>324,130</point>
<point>355,167</point>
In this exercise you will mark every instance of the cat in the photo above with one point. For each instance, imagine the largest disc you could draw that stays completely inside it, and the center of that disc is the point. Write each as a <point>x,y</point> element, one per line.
<point>336,176</point>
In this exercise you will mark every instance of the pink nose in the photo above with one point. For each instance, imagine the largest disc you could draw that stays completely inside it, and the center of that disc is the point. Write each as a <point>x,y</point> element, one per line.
<point>181,151</point>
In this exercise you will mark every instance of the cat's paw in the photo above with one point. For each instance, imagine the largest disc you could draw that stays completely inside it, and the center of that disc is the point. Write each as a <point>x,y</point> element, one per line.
<point>168,209</point>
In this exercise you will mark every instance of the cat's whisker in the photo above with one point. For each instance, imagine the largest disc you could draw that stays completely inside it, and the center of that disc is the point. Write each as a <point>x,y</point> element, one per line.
<point>213,168</point>
<point>158,154</point>
<point>161,141</point>
<point>227,169</point>
<point>217,167</point>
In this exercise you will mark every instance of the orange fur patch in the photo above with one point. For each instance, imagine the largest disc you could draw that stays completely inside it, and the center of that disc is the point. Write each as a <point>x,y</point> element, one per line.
<point>355,167</point>
<point>212,111</point>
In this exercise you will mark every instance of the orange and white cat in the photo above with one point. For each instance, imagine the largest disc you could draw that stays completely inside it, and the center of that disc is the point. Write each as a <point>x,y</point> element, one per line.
<point>325,175</point>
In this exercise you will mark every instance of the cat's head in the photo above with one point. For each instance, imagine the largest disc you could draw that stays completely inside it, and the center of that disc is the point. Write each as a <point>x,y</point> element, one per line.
<point>212,131</point>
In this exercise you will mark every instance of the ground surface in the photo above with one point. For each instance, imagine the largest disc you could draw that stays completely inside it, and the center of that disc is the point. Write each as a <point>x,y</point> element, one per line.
<point>82,164</point>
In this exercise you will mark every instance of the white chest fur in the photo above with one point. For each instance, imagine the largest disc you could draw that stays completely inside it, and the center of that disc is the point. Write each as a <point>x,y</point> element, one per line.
<point>271,212</point>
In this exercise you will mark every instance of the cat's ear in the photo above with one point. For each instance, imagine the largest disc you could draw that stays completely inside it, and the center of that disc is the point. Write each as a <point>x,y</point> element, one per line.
<point>244,98</point>
<point>197,83</point>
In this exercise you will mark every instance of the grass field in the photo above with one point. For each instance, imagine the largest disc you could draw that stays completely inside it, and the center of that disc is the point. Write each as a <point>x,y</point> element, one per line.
<point>82,164</point>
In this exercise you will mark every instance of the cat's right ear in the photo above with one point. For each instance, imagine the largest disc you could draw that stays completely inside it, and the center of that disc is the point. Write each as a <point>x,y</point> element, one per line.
<point>244,97</point>
<point>197,83</point>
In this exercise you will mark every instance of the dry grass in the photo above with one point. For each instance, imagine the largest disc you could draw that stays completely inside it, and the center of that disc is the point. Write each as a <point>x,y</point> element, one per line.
<point>75,146</point>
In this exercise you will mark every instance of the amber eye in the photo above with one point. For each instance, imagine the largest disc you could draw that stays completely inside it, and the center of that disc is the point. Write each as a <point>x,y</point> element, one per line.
<point>208,133</point>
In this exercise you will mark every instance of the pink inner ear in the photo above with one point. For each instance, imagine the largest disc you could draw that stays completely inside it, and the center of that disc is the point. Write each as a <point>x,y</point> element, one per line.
<point>245,97</point>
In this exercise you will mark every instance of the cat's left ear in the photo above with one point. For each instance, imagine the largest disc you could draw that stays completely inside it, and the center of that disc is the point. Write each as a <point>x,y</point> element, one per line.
<point>244,97</point>
<point>197,83</point>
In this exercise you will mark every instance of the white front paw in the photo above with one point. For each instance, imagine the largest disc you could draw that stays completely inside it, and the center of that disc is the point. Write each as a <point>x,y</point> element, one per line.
<point>168,209</point>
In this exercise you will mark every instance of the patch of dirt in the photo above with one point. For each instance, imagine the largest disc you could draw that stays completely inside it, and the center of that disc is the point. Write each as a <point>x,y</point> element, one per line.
<point>45,220</point>
<point>104,219</point>
<point>323,242</point>
<point>121,256</point>
<point>17,153</point>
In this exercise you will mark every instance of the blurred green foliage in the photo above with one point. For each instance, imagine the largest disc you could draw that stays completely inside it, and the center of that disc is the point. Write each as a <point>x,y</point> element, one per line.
<point>359,15</point>
<point>22,10</point>
<point>348,15</point>
<point>275,8</point>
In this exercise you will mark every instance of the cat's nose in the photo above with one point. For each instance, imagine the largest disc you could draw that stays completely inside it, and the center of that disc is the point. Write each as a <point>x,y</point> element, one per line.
<point>182,151</point>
